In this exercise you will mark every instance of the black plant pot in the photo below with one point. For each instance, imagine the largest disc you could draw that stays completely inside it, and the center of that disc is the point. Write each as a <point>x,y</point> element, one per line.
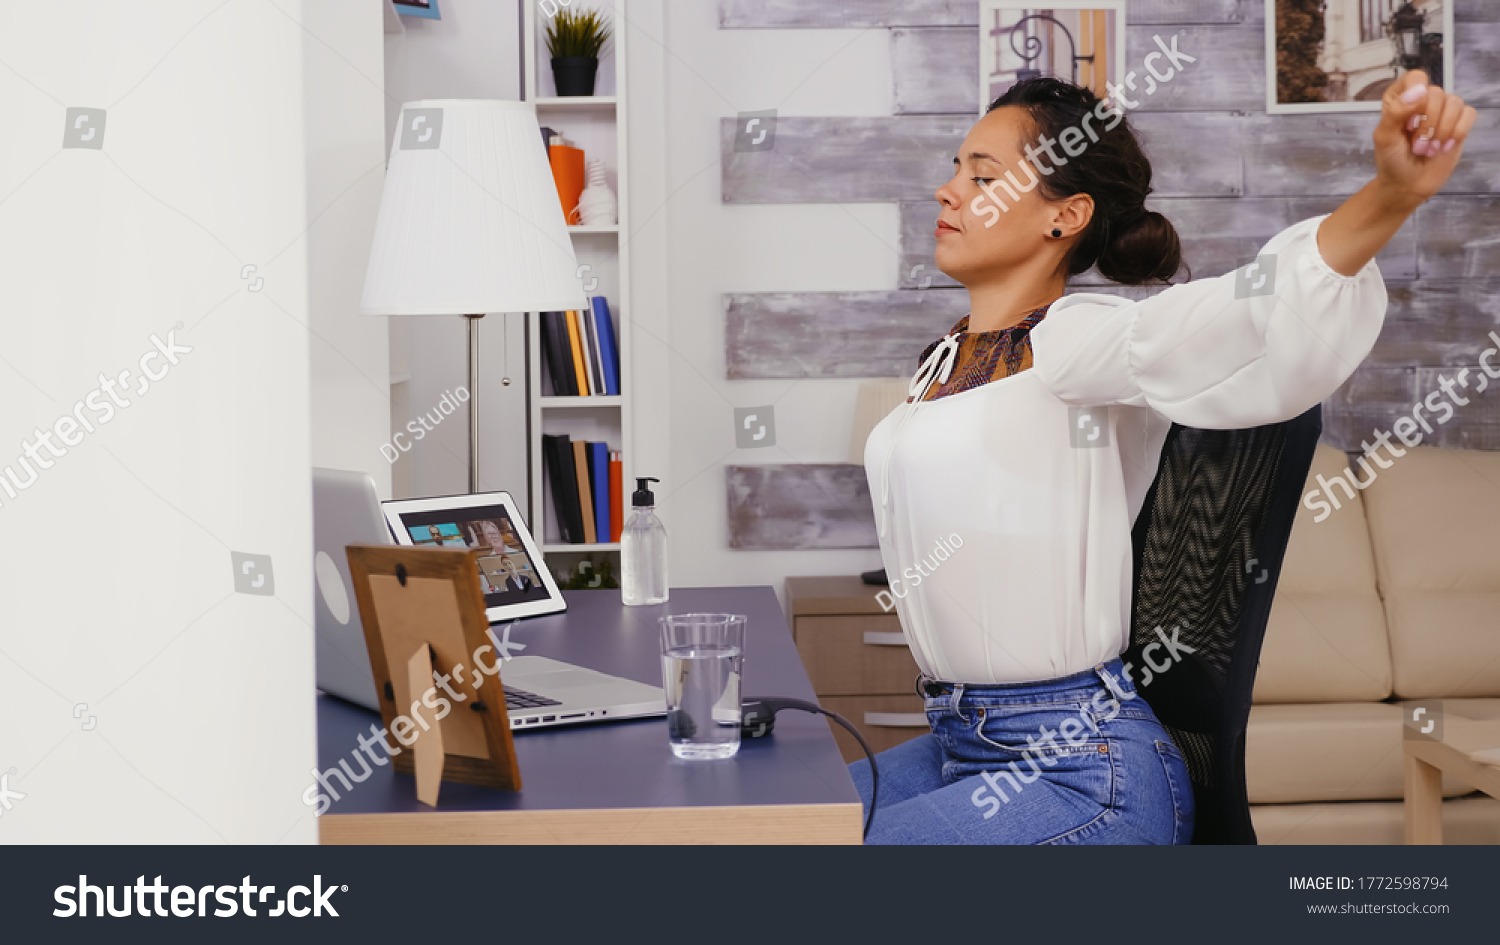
<point>574,75</point>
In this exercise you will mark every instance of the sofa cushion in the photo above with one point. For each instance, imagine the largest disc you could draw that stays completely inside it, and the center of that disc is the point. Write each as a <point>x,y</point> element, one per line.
<point>1348,751</point>
<point>1466,820</point>
<point>1434,515</point>
<point>1326,639</point>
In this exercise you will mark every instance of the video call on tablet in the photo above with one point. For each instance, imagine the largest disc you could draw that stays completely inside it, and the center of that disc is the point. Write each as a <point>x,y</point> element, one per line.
<point>514,579</point>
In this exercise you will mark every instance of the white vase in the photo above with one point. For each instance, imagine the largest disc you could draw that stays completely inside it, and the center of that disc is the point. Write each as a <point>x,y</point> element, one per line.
<point>597,203</point>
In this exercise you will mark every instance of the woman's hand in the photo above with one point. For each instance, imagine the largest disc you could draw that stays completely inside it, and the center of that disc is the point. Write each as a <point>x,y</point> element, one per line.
<point>1419,139</point>
<point>1417,145</point>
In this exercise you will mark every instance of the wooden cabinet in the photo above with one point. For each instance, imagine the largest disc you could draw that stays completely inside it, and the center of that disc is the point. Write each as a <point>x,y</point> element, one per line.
<point>857,659</point>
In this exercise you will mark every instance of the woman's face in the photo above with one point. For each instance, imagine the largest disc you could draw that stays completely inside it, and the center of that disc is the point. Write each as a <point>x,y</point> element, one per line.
<point>492,535</point>
<point>993,232</point>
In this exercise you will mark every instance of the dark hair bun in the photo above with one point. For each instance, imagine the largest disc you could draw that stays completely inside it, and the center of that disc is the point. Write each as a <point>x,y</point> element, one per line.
<point>1128,243</point>
<point>1145,250</point>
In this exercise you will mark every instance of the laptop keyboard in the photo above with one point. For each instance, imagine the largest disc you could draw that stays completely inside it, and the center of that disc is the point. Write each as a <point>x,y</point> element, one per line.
<point>521,699</point>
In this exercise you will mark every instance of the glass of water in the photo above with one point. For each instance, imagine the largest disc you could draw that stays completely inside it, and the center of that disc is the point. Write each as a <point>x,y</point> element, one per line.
<point>702,658</point>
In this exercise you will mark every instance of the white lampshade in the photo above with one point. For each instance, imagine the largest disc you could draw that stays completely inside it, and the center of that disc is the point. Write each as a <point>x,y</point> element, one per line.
<point>470,221</point>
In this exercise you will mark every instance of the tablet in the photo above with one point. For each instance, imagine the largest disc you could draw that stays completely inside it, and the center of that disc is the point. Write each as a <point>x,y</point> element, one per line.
<point>515,580</point>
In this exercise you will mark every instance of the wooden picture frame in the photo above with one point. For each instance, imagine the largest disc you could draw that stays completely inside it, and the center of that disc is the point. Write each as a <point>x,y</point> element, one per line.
<point>427,9</point>
<point>1361,54</point>
<point>423,612</point>
<point>1016,35</point>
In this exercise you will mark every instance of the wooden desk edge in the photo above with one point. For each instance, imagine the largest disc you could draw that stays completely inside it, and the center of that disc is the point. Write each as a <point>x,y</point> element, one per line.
<point>749,824</point>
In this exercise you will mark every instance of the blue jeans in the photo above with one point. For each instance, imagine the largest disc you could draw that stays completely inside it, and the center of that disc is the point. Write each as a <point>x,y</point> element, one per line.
<point>1079,759</point>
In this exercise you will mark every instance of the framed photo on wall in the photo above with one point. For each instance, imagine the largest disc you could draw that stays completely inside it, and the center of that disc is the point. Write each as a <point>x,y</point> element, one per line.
<point>1080,41</point>
<point>1343,58</point>
<point>422,8</point>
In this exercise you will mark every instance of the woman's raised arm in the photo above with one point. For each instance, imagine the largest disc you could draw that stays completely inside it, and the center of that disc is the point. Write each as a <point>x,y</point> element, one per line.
<point>1417,145</point>
<point>1267,341</point>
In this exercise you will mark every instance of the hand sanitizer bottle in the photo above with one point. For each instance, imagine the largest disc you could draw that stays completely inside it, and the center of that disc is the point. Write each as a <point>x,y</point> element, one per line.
<point>643,550</point>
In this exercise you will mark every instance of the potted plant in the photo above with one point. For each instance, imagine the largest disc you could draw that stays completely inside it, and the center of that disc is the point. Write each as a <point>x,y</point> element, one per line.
<point>574,40</point>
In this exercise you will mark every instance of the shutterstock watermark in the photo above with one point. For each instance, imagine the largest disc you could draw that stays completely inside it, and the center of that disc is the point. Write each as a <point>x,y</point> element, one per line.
<point>7,796</point>
<point>1074,731</point>
<point>101,404</point>
<point>1088,427</point>
<point>1406,430</point>
<point>187,901</point>
<point>1075,139</point>
<point>419,427</point>
<point>938,556</point>
<point>755,131</point>
<point>402,726</point>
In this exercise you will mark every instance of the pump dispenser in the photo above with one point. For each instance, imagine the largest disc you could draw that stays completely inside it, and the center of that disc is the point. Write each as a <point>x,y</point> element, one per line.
<point>643,550</point>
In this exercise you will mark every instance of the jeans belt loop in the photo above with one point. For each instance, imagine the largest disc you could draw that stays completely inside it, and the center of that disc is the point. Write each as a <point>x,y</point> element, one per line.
<point>958,693</point>
<point>1113,685</point>
<point>921,685</point>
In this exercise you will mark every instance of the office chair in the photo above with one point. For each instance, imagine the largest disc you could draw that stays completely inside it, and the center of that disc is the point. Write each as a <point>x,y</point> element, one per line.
<point>1208,545</point>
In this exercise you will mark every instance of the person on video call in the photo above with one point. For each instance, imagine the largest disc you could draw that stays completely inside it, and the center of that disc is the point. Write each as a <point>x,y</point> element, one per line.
<point>496,539</point>
<point>437,537</point>
<point>1018,632</point>
<point>515,580</point>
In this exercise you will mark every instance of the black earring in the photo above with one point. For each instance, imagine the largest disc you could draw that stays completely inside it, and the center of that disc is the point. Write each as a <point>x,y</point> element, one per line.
<point>1056,232</point>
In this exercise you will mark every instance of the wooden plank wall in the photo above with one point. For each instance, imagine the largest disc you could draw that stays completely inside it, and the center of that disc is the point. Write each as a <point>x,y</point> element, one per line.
<point>1227,174</point>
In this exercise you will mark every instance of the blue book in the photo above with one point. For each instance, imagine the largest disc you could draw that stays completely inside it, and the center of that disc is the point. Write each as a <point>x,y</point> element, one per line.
<point>599,461</point>
<point>611,351</point>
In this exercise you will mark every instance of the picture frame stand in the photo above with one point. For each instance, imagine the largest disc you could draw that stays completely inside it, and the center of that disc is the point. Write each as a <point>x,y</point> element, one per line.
<point>426,632</point>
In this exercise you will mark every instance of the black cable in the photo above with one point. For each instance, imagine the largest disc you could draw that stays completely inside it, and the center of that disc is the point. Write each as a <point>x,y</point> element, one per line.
<point>757,723</point>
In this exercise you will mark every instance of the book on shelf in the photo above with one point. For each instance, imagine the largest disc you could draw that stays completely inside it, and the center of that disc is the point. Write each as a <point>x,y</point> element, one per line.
<point>585,494</point>
<point>591,352</point>
<point>609,350</point>
<point>562,482</point>
<point>599,466</point>
<point>556,354</point>
<point>585,479</point>
<point>580,351</point>
<point>586,500</point>
<point>576,347</point>
<point>616,495</point>
<point>588,354</point>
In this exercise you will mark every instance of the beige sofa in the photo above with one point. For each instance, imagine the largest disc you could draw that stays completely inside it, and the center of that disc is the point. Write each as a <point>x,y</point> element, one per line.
<point>1393,596</point>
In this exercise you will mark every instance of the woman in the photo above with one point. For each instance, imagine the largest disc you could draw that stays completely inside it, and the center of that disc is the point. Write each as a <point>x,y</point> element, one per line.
<point>499,542</point>
<point>1007,484</point>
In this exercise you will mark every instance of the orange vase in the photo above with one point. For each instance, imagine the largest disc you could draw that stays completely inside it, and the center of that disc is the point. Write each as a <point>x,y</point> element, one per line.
<point>567,171</point>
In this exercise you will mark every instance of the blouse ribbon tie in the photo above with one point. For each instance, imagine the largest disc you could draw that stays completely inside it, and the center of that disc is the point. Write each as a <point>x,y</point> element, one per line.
<point>938,365</point>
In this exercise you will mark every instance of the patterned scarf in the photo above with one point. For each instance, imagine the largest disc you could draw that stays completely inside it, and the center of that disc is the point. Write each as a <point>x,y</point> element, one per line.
<point>985,356</point>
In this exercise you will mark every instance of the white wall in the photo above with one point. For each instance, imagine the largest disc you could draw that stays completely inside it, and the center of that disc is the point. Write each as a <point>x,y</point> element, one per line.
<point>472,52</point>
<point>713,248</point>
<point>688,250</point>
<point>143,699</point>
<point>344,125</point>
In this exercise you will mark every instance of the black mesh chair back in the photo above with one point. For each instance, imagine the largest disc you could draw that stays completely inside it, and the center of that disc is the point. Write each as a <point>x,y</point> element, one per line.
<point>1208,545</point>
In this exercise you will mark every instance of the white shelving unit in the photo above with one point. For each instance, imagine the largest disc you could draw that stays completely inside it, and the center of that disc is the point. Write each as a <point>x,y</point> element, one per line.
<point>597,124</point>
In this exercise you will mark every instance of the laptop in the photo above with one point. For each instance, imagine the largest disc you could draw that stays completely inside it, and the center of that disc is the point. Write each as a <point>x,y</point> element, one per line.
<point>539,692</point>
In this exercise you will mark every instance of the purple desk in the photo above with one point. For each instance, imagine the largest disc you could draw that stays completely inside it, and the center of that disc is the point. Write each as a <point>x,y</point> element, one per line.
<point>618,782</point>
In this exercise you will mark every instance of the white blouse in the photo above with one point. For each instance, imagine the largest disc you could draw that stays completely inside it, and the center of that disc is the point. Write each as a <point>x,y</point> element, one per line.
<point>1005,510</point>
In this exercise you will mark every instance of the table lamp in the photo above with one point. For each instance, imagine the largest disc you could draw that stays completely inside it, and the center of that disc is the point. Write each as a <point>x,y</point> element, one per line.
<point>470,223</point>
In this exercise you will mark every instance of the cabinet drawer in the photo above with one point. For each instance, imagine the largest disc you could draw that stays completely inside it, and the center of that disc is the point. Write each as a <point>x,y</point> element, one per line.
<point>884,721</point>
<point>855,655</point>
